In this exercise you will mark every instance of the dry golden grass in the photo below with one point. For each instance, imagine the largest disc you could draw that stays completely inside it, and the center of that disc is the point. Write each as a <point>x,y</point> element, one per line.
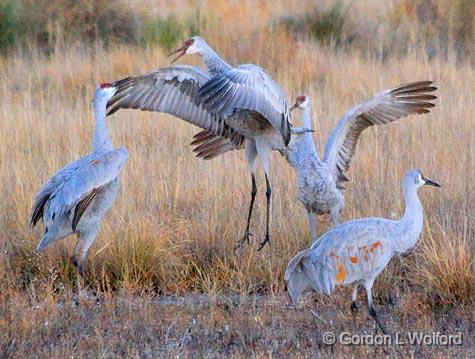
<point>176,219</point>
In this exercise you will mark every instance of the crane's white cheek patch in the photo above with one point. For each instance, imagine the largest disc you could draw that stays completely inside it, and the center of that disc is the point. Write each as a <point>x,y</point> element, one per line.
<point>192,50</point>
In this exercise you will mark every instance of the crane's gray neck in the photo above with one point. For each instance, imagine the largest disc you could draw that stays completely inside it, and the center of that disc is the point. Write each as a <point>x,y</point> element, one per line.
<point>303,146</point>
<point>101,141</point>
<point>412,220</point>
<point>306,142</point>
<point>213,62</point>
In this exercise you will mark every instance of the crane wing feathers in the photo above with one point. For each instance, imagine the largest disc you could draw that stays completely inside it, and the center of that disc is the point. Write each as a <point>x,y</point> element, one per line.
<point>83,205</point>
<point>385,107</point>
<point>247,87</point>
<point>340,254</point>
<point>208,146</point>
<point>172,90</point>
<point>43,195</point>
<point>38,207</point>
<point>94,172</point>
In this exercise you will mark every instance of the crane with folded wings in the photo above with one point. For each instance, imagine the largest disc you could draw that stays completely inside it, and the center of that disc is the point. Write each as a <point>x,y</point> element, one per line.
<point>75,198</point>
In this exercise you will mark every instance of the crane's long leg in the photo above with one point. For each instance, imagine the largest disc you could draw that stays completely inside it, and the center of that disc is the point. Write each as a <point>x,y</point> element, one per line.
<point>354,296</point>
<point>263,150</point>
<point>312,223</point>
<point>247,233</point>
<point>354,307</point>
<point>85,240</point>
<point>268,197</point>
<point>251,154</point>
<point>251,205</point>
<point>371,311</point>
<point>391,295</point>
<point>74,256</point>
<point>335,215</point>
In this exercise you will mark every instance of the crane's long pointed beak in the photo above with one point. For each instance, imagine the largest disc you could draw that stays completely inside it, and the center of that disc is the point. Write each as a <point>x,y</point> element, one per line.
<point>182,51</point>
<point>300,131</point>
<point>431,183</point>
<point>293,107</point>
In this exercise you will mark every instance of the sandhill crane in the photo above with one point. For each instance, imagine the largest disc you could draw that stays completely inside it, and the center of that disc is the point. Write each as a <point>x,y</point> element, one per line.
<point>357,251</point>
<point>75,198</point>
<point>238,107</point>
<point>320,181</point>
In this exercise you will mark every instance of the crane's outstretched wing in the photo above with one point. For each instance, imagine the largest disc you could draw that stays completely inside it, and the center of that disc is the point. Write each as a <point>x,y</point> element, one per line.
<point>248,87</point>
<point>74,185</point>
<point>385,107</point>
<point>208,146</point>
<point>172,90</point>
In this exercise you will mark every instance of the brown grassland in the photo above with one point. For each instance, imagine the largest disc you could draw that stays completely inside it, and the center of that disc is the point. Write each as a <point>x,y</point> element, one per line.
<point>167,280</point>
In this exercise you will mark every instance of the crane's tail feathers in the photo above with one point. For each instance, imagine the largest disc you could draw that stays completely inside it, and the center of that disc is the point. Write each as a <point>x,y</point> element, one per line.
<point>45,241</point>
<point>295,276</point>
<point>297,284</point>
<point>302,272</point>
<point>53,234</point>
<point>318,276</point>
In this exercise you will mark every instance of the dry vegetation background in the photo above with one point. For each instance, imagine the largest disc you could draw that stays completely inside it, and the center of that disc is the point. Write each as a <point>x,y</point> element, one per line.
<point>176,219</point>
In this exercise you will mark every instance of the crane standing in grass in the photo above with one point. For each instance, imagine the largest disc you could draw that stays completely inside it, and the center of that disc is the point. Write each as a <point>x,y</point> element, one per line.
<point>357,251</point>
<point>321,181</point>
<point>75,198</point>
<point>237,107</point>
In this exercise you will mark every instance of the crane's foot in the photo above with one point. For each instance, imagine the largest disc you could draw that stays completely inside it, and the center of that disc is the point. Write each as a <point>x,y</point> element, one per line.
<point>245,239</point>
<point>264,242</point>
<point>378,321</point>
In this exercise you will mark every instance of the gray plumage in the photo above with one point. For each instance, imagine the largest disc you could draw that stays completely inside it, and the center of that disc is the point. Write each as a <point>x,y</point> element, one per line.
<point>75,198</point>
<point>321,181</point>
<point>355,252</point>
<point>237,107</point>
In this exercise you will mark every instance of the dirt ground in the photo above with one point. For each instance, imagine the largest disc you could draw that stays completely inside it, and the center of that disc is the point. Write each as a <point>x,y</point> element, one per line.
<point>212,326</point>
